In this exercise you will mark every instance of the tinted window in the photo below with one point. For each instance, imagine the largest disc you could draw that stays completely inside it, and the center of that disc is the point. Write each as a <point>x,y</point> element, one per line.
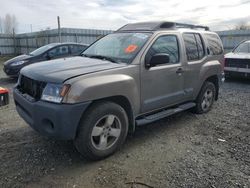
<point>59,51</point>
<point>165,44</point>
<point>242,48</point>
<point>214,44</point>
<point>194,46</point>
<point>200,46</point>
<point>191,47</point>
<point>75,49</point>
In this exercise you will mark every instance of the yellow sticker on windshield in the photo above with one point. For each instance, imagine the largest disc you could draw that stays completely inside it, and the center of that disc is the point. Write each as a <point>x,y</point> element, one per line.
<point>131,48</point>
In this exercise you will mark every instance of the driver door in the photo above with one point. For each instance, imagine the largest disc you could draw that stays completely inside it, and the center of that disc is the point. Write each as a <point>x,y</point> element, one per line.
<point>162,85</point>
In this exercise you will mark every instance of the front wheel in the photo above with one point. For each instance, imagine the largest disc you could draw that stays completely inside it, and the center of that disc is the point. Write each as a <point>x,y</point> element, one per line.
<point>205,98</point>
<point>102,130</point>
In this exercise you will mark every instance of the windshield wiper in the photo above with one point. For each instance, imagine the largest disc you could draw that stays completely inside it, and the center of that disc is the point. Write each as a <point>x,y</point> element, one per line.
<point>101,57</point>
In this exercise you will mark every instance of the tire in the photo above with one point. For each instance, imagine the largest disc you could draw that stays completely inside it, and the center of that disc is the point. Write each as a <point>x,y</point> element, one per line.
<point>102,130</point>
<point>205,99</point>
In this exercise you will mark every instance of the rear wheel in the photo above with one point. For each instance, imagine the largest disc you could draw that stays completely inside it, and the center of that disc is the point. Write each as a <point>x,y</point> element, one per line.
<point>102,130</point>
<point>205,98</point>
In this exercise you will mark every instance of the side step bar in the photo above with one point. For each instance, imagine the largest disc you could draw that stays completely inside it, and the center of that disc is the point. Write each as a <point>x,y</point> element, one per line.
<point>164,113</point>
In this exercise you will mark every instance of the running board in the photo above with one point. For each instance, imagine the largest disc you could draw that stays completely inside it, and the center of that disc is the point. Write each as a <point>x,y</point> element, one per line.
<point>164,113</point>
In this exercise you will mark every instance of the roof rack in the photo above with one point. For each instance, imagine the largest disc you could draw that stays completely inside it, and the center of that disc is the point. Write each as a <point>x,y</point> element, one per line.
<point>182,25</point>
<point>153,26</point>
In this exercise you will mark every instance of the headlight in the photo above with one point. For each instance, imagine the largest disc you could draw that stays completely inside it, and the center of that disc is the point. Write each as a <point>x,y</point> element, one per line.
<point>55,92</point>
<point>17,63</point>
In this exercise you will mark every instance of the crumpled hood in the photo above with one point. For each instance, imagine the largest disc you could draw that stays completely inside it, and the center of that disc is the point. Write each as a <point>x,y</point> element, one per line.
<point>59,70</point>
<point>18,58</point>
<point>232,55</point>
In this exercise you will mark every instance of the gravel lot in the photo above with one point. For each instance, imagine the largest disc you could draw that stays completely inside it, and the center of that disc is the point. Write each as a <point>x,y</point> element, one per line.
<point>185,150</point>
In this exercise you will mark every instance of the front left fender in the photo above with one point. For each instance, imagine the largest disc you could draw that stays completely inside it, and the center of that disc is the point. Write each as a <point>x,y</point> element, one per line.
<point>98,87</point>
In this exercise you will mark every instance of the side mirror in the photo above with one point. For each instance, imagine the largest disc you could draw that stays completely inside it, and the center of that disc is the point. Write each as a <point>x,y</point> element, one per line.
<point>158,59</point>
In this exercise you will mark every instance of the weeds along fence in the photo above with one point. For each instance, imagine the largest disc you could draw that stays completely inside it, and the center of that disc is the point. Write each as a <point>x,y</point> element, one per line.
<point>25,43</point>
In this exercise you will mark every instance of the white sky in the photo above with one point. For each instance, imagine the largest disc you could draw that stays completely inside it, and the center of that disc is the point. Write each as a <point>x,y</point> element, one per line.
<point>112,14</point>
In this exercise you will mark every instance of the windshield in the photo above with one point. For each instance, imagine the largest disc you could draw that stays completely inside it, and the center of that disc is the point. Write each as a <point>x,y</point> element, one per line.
<point>243,48</point>
<point>119,47</point>
<point>42,49</point>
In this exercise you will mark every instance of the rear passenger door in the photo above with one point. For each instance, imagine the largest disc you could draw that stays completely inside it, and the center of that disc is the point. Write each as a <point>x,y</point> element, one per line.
<point>195,53</point>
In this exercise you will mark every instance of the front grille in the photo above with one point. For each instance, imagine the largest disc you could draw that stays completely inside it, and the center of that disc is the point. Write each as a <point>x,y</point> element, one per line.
<point>31,87</point>
<point>240,63</point>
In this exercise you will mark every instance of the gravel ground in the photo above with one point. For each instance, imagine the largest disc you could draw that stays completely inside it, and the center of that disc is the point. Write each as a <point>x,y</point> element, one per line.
<point>185,150</point>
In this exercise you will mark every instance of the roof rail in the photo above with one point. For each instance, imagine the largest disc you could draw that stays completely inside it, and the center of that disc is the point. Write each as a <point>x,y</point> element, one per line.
<point>153,26</point>
<point>182,25</point>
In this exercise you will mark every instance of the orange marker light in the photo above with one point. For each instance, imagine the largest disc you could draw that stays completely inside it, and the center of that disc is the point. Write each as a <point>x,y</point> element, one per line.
<point>131,48</point>
<point>64,90</point>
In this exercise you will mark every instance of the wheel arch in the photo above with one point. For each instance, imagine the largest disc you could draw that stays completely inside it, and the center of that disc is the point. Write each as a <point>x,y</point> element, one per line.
<point>215,80</point>
<point>124,103</point>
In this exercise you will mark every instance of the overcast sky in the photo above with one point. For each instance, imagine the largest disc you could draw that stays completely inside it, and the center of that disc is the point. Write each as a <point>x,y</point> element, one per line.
<point>112,14</point>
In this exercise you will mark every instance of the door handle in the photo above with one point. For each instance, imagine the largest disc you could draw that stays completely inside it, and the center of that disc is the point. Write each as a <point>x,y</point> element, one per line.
<point>179,70</point>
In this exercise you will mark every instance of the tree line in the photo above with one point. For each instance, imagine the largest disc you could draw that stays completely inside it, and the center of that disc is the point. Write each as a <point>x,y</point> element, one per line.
<point>8,24</point>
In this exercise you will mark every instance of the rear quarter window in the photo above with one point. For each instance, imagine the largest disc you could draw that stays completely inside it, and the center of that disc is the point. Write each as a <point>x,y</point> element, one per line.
<point>214,44</point>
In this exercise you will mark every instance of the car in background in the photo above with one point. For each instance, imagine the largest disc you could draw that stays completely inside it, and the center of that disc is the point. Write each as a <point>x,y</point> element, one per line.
<point>51,51</point>
<point>237,62</point>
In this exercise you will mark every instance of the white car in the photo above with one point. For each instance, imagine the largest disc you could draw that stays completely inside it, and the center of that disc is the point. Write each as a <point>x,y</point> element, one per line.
<point>237,62</point>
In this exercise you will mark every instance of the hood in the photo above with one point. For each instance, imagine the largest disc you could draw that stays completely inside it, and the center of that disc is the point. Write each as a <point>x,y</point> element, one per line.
<point>232,55</point>
<point>57,71</point>
<point>18,58</point>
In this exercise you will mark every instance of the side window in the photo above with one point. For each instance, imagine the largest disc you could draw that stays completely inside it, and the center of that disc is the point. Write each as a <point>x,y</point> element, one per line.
<point>76,49</point>
<point>59,51</point>
<point>214,44</point>
<point>165,44</point>
<point>191,47</point>
<point>81,48</point>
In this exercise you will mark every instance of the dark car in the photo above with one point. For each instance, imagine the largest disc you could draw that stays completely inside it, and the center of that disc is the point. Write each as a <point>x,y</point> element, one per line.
<point>237,62</point>
<point>51,51</point>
